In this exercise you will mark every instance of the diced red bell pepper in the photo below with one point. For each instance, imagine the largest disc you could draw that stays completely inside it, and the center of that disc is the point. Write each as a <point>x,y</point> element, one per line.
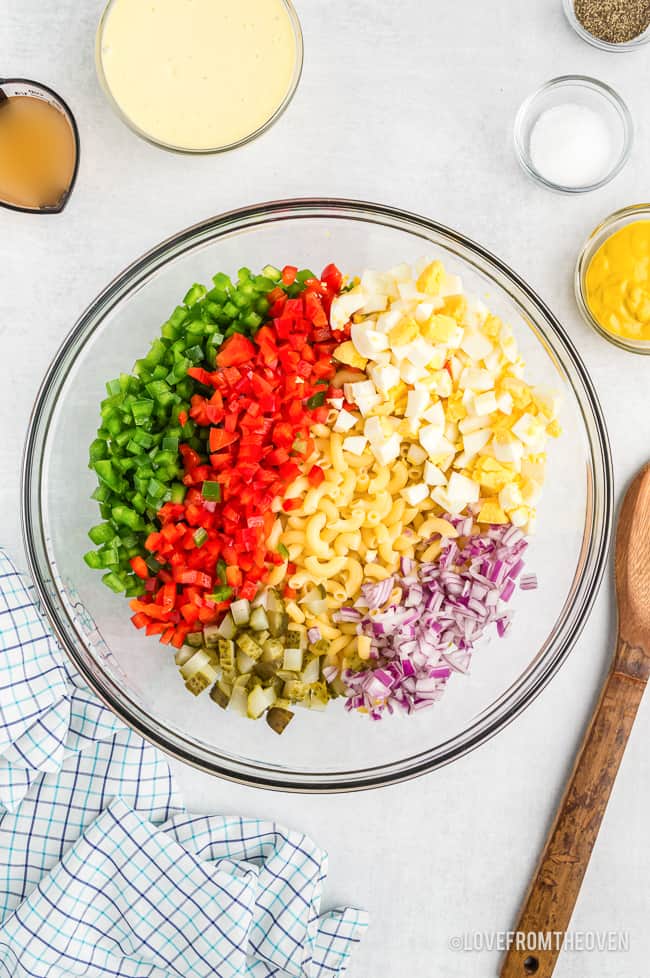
<point>190,458</point>
<point>220,439</point>
<point>248,590</point>
<point>236,350</point>
<point>289,273</point>
<point>233,576</point>
<point>332,278</point>
<point>260,435</point>
<point>315,475</point>
<point>139,567</point>
<point>156,628</point>
<point>200,374</point>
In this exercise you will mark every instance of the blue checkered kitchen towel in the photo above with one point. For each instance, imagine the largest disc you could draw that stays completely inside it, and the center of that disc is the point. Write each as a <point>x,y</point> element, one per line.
<point>103,873</point>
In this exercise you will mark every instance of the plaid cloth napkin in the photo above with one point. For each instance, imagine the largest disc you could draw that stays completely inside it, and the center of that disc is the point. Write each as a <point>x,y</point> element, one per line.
<point>102,873</point>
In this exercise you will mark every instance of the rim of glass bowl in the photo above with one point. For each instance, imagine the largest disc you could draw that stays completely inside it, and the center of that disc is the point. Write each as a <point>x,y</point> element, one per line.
<point>117,108</point>
<point>621,48</point>
<point>615,221</point>
<point>582,81</point>
<point>594,547</point>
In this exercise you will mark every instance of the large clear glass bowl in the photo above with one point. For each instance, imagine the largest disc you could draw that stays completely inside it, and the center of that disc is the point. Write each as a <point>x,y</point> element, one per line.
<point>136,677</point>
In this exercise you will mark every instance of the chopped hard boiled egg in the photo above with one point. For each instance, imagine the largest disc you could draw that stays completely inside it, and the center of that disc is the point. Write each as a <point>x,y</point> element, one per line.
<point>344,307</point>
<point>355,444</point>
<point>388,450</point>
<point>434,476</point>
<point>415,493</point>
<point>384,377</point>
<point>368,342</point>
<point>444,377</point>
<point>344,421</point>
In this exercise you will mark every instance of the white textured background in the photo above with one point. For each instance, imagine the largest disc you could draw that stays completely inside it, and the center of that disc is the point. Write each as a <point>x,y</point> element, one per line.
<point>411,104</point>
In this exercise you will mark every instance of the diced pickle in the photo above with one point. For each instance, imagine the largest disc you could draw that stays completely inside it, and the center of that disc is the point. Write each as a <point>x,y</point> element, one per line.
<point>338,687</point>
<point>321,647</point>
<point>239,701</point>
<point>227,628</point>
<point>183,655</point>
<point>226,654</point>
<point>201,680</point>
<point>295,639</point>
<point>319,694</point>
<point>263,660</point>
<point>314,600</point>
<point>211,635</point>
<point>194,664</point>
<point>258,620</point>
<point>311,671</point>
<point>273,650</point>
<point>259,700</point>
<point>278,622</point>
<point>294,690</point>
<point>292,661</point>
<point>196,684</point>
<point>265,670</point>
<point>248,645</point>
<point>240,611</point>
<point>279,719</point>
<point>218,696</point>
<point>244,663</point>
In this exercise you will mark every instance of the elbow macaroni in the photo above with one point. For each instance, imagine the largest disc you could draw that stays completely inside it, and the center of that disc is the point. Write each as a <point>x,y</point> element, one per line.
<point>356,510</point>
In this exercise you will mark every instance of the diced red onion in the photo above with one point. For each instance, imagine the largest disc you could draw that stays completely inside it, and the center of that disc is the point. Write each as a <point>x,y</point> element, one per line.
<point>376,595</point>
<point>447,606</point>
<point>516,570</point>
<point>330,673</point>
<point>347,614</point>
<point>313,634</point>
<point>508,590</point>
<point>528,582</point>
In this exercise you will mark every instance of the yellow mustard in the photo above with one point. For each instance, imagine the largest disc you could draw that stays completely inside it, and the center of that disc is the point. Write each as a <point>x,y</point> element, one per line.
<point>618,282</point>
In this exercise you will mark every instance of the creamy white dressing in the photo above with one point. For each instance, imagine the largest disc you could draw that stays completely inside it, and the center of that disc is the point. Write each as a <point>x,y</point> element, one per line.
<point>198,74</point>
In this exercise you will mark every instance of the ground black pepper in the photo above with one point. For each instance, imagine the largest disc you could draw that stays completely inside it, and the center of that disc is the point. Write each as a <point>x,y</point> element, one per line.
<point>615,21</point>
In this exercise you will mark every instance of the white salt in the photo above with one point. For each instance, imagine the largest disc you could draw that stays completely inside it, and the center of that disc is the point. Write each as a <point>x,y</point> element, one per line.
<point>571,145</point>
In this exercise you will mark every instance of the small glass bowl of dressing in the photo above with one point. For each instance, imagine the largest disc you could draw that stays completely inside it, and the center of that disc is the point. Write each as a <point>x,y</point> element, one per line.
<point>200,77</point>
<point>633,300</point>
<point>606,109</point>
<point>619,47</point>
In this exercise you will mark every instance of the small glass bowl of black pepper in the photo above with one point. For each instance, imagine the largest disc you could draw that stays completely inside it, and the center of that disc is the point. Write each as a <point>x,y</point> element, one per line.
<point>611,25</point>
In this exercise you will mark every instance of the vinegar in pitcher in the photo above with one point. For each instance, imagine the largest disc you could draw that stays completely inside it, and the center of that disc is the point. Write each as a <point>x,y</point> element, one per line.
<point>37,153</point>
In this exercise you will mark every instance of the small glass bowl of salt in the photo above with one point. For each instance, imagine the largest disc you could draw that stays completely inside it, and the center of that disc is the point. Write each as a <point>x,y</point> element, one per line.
<point>574,134</point>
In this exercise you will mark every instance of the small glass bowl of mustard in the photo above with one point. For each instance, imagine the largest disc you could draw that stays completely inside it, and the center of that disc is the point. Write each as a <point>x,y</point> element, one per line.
<point>612,279</point>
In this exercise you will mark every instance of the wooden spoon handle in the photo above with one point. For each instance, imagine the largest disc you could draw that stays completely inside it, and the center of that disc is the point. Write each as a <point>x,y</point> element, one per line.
<point>554,889</point>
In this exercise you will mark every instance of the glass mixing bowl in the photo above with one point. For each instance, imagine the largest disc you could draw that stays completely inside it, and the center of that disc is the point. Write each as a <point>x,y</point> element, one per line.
<point>137,678</point>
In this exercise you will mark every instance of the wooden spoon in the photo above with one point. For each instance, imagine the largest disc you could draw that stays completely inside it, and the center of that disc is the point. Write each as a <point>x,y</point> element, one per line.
<point>554,889</point>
